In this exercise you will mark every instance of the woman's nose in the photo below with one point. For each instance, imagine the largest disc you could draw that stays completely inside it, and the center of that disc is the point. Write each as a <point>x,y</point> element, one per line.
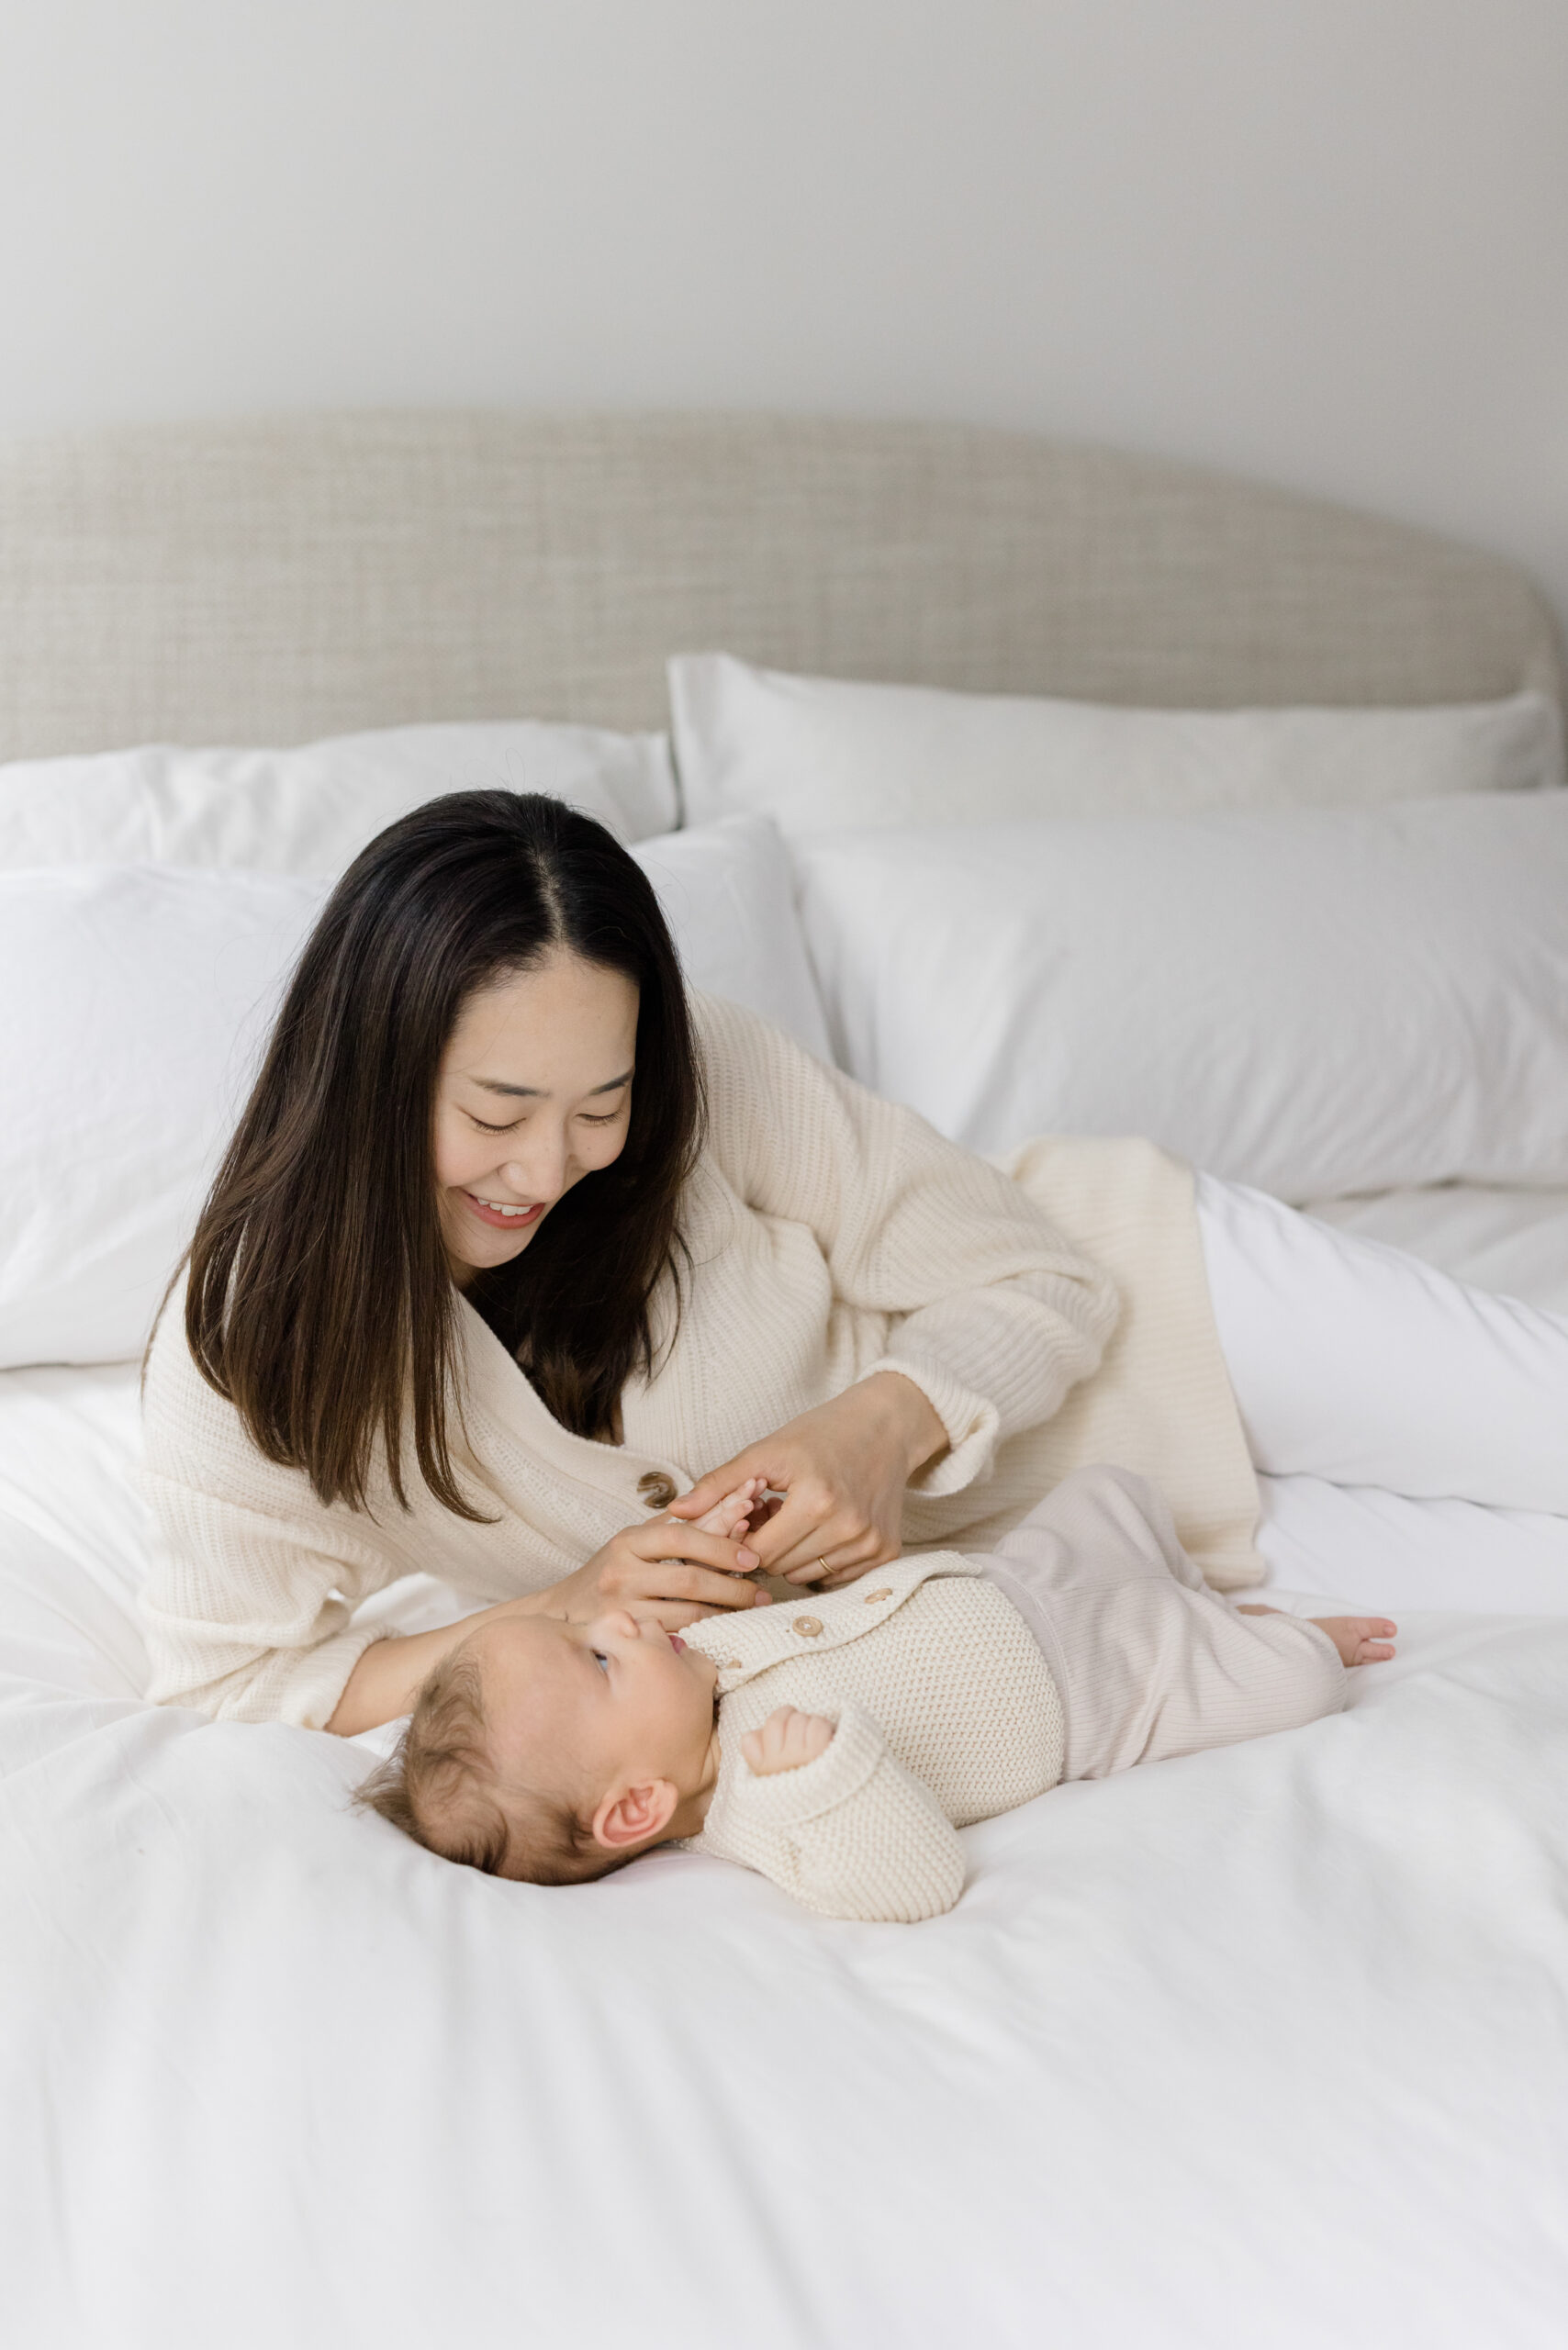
<point>539,1173</point>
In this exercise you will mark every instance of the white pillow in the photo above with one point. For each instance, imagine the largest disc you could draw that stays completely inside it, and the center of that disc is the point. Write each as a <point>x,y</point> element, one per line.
<point>1317,1002</point>
<point>312,810</point>
<point>728,895</point>
<point>137,1000</point>
<point>820,756</point>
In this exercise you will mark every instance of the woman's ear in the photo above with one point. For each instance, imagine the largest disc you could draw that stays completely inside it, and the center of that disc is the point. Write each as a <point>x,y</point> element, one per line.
<point>634,1815</point>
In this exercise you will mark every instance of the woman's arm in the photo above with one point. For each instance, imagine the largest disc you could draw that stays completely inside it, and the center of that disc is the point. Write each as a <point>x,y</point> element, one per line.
<point>241,1608</point>
<point>992,1315</point>
<point>668,1571</point>
<point>237,1653</point>
<point>249,1602</point>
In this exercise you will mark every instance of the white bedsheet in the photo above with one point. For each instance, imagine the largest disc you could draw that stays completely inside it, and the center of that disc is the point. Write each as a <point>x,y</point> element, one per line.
<point>1265,2048</point>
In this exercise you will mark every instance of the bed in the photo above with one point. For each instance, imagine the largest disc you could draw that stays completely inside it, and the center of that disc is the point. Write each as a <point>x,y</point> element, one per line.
<point>1264,2047</point>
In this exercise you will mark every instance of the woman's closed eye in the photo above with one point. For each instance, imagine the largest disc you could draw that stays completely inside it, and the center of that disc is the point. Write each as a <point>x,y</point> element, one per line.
<point>585,1117</point>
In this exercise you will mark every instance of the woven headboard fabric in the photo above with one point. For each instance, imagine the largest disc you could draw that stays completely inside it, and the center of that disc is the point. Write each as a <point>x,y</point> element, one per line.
<point>269,581</point>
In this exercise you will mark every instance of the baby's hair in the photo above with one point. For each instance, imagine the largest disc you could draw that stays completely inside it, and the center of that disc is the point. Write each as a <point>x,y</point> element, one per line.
<point>435,1788</point>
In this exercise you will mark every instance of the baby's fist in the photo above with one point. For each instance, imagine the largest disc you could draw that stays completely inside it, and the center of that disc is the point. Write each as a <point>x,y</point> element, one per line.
<point>786,1740</point>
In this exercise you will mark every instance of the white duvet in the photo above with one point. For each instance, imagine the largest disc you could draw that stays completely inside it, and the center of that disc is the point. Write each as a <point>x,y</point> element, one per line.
<point>1264,2048</point>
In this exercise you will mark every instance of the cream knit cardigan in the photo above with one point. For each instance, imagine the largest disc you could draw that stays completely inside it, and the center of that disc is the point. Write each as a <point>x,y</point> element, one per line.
<point>831,1235</point>
<point>946,1712</point>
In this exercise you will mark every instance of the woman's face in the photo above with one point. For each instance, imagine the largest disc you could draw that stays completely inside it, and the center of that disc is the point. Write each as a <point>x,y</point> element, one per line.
<point>534,1092</point>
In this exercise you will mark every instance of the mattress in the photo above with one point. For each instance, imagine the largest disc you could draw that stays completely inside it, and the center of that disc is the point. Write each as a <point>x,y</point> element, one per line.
<point>1266,2045</point>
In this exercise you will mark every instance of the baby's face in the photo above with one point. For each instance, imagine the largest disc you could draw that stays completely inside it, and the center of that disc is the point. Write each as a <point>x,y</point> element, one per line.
<point>580,1709</point>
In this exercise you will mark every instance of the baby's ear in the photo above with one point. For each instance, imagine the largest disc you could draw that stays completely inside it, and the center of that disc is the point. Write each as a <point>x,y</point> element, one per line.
<point>634,1815</point>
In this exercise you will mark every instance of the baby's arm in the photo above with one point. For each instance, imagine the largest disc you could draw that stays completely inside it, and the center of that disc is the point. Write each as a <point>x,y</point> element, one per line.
<point>841,1825</point>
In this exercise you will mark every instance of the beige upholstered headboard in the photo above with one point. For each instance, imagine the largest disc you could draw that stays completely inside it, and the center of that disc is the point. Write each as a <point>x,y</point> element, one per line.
<point>268,581</point>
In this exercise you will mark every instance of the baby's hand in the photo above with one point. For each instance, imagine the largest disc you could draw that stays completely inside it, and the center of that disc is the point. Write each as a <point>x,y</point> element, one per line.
<point>729,1516</point>
<point>786,1740</point>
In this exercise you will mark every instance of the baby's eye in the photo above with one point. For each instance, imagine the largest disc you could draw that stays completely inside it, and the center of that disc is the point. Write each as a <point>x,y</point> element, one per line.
<point>601,1661</point>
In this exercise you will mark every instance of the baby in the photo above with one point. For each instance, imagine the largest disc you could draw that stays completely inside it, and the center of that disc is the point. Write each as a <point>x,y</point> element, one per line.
<point>839,1746</point>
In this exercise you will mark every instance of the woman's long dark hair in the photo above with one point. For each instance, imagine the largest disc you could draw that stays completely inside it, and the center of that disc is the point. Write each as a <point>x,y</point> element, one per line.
<point>321,1301</point>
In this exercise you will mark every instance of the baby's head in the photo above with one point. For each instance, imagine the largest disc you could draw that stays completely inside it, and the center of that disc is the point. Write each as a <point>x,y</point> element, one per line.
<point>552,1751</point>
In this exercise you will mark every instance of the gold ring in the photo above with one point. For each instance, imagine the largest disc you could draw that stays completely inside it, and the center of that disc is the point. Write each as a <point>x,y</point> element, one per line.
<point>824,1566</point>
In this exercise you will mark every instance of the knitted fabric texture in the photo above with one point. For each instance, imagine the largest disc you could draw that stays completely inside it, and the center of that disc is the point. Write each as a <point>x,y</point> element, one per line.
<point>945,1711</point>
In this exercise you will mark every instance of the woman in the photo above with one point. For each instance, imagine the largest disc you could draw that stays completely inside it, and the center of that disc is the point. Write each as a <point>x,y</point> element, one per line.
<point>511,1249</point>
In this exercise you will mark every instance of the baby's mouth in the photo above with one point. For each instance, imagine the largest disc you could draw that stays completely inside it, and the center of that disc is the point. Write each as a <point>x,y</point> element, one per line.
<point>678,1644</point>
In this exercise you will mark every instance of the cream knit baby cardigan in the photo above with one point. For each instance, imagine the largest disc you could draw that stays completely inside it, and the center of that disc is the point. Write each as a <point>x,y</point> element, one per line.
<point>946,1712</point>
<point>831,1235</point>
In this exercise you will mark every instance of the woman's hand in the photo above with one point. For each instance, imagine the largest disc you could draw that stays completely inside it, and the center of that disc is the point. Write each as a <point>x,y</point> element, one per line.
<point>842,1469</point>
<point>669,1572</point>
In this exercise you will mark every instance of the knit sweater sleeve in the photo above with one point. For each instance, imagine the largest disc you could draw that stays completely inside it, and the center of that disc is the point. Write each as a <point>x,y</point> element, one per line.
<point>286,1655</point>
<point>243,1607</point>
<point>993,1314</point>
<point>851,1835</point>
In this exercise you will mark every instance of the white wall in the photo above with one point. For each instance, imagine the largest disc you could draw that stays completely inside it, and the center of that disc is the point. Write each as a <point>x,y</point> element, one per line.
<point>1322,241</point>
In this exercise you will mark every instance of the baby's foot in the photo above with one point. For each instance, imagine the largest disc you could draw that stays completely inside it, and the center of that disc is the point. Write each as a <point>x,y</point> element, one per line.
<point>1360,1640</point>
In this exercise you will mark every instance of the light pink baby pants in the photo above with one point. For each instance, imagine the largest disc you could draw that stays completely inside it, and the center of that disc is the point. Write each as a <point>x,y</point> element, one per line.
<point>1148,1660</point>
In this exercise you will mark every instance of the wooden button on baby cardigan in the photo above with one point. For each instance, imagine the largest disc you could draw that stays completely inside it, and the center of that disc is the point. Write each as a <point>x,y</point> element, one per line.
<point>872,1596</point>
<point>808,1626</point>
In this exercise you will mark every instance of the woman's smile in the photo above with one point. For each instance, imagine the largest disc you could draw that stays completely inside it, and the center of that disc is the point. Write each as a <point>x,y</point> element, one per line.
<point>502,1215</point>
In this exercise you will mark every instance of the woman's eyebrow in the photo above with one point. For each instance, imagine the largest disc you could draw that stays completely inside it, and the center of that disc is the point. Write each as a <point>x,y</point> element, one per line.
<point>537,1092</point>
